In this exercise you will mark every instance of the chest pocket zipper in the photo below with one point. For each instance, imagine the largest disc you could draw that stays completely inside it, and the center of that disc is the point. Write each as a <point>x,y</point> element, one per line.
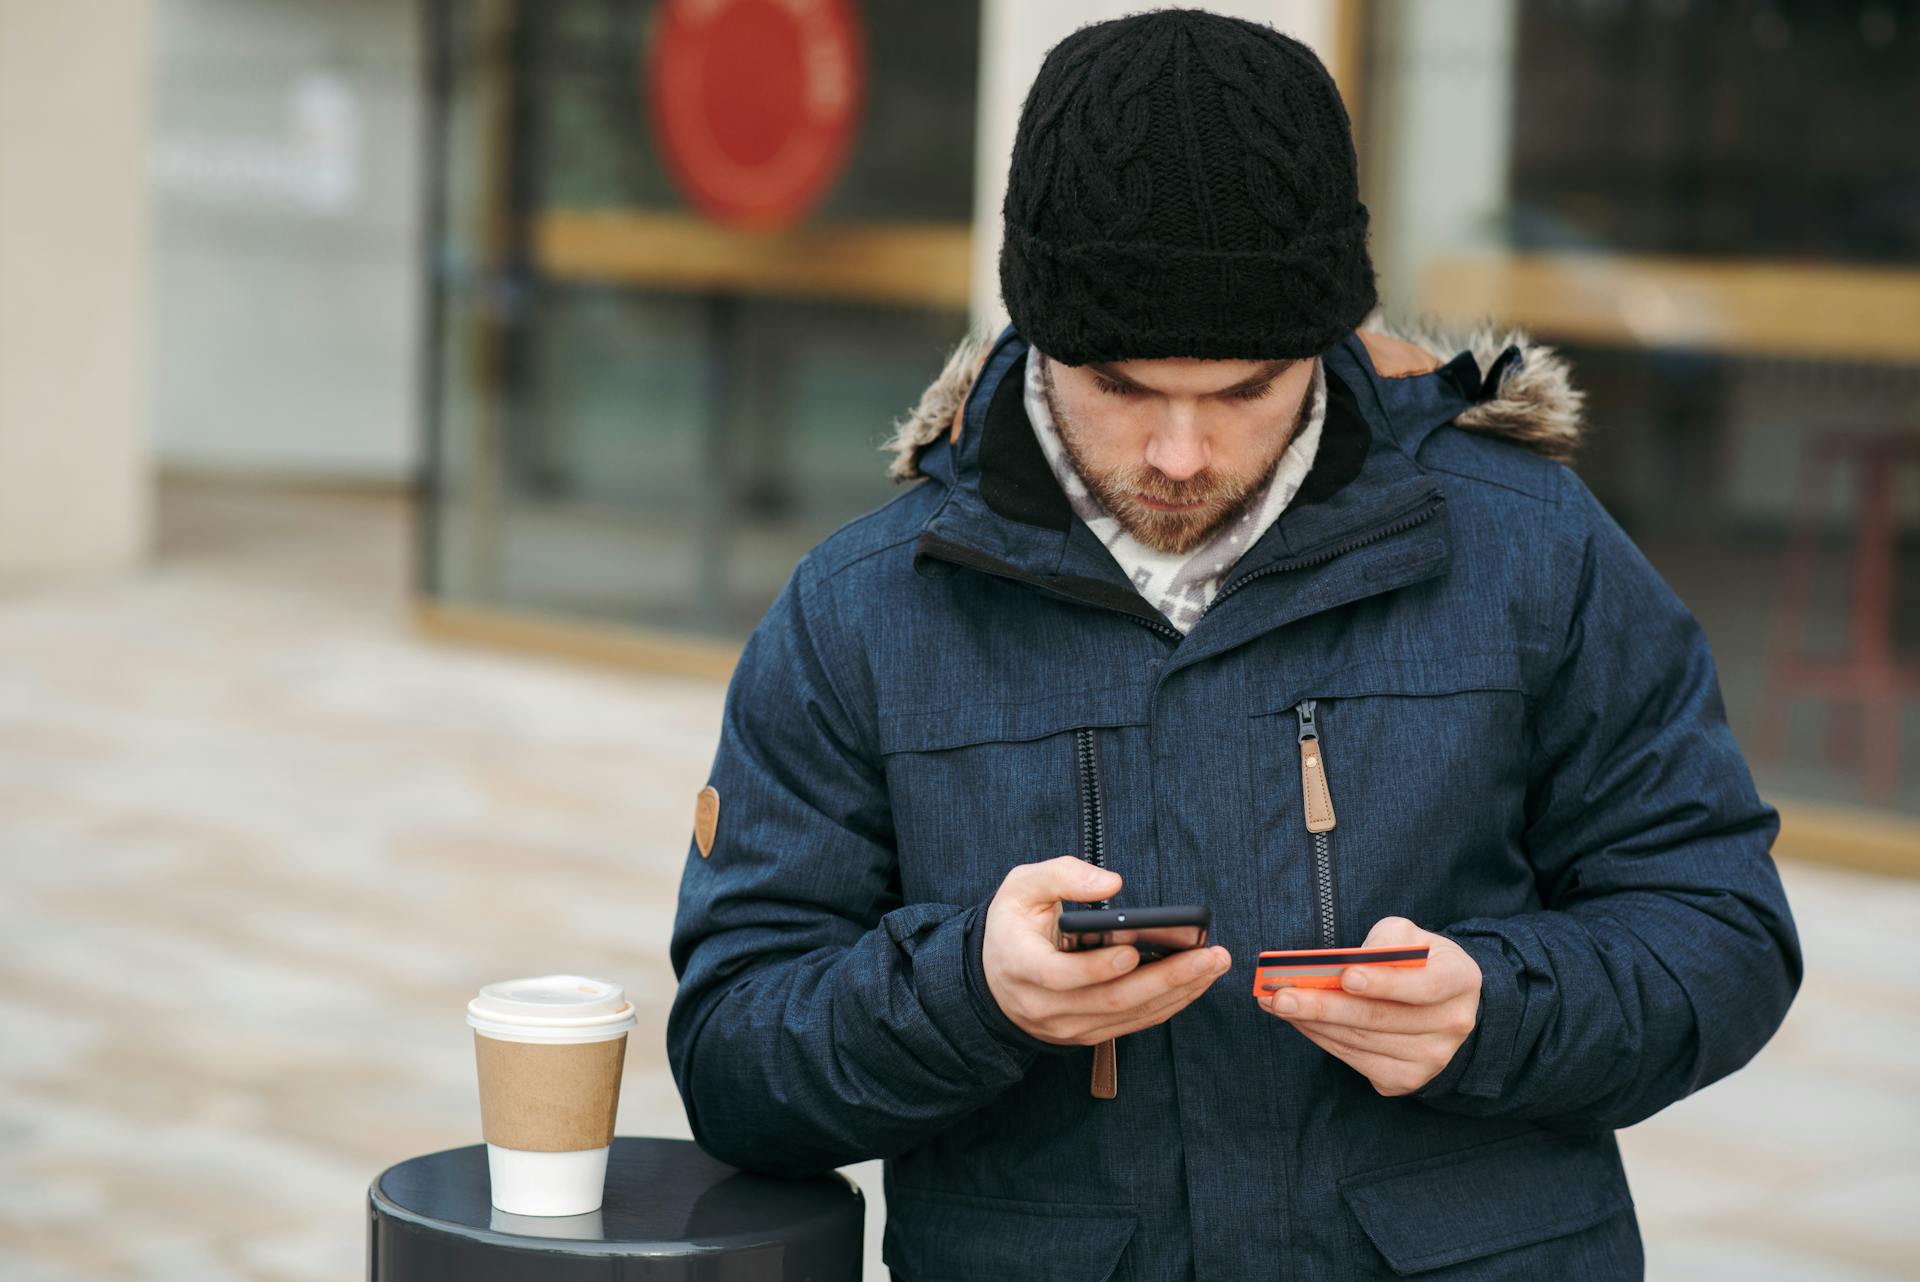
<point>1317,805</point>
<point>1093,849</point>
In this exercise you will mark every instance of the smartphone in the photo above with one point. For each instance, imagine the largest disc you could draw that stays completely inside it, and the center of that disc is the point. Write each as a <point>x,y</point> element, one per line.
<point>1320,967</point>
<point>1154,932</point>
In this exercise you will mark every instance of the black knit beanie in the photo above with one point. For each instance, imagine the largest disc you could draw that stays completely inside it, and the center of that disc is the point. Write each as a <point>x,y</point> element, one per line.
<point>1184,184</point>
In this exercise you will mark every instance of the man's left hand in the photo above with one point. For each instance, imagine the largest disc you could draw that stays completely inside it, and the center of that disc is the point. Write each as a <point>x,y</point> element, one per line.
<point>1398,1026</point>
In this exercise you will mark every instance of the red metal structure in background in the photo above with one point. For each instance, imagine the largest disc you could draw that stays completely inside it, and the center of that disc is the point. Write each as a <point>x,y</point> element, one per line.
<point>1868,674</point>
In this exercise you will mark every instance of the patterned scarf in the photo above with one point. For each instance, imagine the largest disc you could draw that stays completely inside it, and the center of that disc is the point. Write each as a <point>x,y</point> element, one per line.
<point>1180,585</point>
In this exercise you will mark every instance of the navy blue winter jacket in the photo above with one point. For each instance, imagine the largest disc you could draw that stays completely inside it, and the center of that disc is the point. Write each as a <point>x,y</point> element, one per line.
<point>1527,751</point>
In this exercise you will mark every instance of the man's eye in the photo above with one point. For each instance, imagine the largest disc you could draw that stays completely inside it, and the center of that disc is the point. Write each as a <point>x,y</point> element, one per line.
<point>1112,388</point>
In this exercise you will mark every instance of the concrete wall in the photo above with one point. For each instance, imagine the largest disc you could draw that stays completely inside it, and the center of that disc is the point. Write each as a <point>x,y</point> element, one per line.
<point>73,285</point>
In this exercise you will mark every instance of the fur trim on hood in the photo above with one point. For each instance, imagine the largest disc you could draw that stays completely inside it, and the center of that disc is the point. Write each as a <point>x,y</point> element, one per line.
<point>1536,404</point>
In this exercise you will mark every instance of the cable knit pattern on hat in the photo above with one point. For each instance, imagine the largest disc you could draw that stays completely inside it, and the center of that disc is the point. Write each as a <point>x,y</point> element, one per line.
<point>1184,184</point>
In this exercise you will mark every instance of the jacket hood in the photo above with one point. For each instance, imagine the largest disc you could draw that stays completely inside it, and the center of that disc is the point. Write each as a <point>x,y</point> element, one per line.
<point>1533,403</point>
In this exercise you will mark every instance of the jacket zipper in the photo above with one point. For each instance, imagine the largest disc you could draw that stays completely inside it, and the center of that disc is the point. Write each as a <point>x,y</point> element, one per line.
<point>1341,549</point>
<point>1093,820</point>
<point>1317,806</point>
<point>967,558</point>
<point>956,554</point>
<point>1093,849</point>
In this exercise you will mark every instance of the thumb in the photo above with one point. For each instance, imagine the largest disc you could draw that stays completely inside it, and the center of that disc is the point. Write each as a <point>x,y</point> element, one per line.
<point>1068,877</point>
<point>1391,931</point>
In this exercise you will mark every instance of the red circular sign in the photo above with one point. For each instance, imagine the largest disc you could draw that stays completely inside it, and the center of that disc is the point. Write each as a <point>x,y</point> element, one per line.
<point>754,102</point>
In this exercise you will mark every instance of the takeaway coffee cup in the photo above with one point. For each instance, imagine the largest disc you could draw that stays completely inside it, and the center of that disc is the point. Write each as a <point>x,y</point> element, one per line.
<point>549,1051</point>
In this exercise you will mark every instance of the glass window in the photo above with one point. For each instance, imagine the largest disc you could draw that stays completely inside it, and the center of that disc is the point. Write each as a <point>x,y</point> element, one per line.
<point>1715,211</point>
<point>640,415</point>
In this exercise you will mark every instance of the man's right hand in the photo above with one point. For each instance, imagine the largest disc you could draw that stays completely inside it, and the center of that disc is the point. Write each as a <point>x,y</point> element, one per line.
<point>1080,998</point>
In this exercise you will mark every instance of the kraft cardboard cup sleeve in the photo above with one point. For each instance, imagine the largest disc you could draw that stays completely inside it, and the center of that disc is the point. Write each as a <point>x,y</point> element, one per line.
<point>549,1050</point>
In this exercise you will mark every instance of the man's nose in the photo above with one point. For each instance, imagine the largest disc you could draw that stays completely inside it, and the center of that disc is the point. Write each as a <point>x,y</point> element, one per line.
<point>1177,450</point>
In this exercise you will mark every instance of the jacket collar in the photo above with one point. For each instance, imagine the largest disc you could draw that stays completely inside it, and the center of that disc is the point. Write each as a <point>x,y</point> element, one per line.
<point>1005,514</point>
<point>1527,397</point>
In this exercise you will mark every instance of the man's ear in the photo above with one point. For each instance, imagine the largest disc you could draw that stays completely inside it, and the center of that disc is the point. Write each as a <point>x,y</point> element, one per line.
<point>1396,357</point>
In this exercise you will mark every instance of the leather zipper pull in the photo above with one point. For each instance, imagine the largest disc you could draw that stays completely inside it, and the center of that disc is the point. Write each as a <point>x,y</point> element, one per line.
<point>1318,798</point>
<point>1105,1071</point>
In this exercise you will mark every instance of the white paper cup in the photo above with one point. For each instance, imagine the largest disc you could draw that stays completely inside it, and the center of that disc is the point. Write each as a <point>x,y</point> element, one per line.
<point>584,1228</point>
<point>549,1052</point>
<point>547,1184</point>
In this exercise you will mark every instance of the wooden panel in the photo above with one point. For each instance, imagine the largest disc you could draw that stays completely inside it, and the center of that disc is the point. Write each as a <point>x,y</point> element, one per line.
<point>1876,841</point>
<point>600,643</point>
<point>1785,309</point>
<point>914,263</point>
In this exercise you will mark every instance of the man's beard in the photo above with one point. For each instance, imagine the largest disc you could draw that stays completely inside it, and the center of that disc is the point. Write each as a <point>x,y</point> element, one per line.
<point>1222,498</point>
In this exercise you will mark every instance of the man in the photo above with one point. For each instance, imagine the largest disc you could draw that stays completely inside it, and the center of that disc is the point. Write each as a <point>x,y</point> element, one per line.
<point>1205,597</point>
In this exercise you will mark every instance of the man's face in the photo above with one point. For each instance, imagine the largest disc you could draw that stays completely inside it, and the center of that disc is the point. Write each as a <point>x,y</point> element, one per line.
<point>1176,448</point>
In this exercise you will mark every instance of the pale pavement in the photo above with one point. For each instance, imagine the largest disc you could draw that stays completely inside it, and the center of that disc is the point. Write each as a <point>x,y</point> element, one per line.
<point>260,842</point>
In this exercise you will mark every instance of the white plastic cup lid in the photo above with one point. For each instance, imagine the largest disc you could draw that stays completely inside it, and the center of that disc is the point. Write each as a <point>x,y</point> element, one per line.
<point>552,1008</point>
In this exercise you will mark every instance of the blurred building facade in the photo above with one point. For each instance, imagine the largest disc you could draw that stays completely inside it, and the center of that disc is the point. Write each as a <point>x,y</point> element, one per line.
<point>459,245</point>
<point>643,417</point>
<point>645,414</point>
<point>1715,210</point>
<point>436,249</point>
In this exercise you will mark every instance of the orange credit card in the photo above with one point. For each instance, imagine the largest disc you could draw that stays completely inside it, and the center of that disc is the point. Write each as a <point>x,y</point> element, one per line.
<point>1321,967</point>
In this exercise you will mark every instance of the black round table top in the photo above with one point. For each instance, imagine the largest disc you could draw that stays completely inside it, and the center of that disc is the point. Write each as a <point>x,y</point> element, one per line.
<point>670,1210</point>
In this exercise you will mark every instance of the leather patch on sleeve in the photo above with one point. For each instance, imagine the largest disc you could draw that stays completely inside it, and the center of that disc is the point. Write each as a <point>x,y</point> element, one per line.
<point>706,817</point>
